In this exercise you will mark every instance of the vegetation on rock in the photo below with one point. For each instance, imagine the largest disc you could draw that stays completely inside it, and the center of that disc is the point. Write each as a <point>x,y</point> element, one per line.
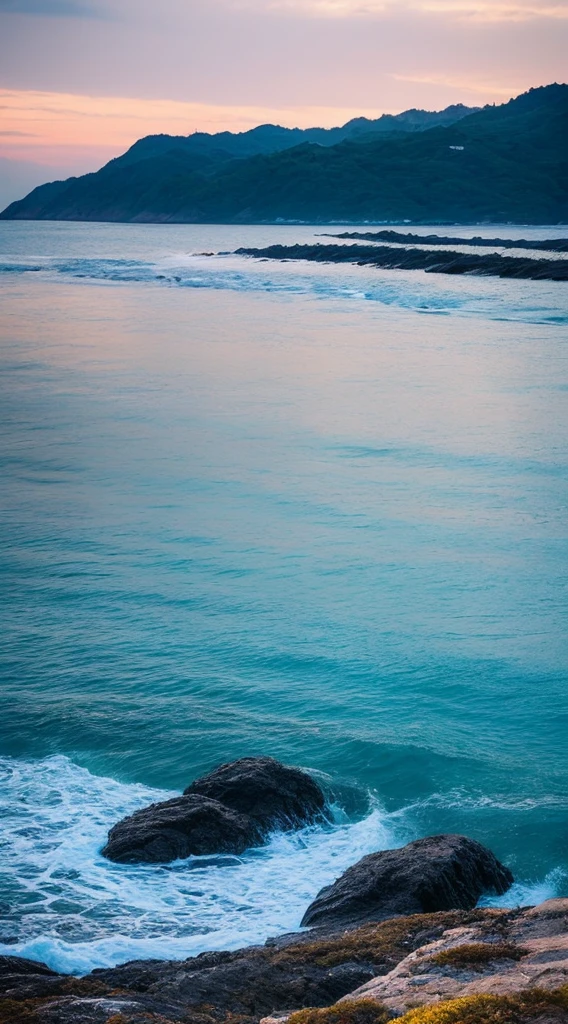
<point>364,1011</point>
<point>537,1004</point>
<point>383,944</point>
<point>486,1009</point>
<point>476,954</point>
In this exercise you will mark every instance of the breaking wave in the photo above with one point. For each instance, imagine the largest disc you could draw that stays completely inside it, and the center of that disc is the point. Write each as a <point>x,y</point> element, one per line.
<point>64,904</point>
<point>412,290</point>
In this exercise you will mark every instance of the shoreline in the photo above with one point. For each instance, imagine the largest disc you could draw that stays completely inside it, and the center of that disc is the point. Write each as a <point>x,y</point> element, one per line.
<point>386,969</point>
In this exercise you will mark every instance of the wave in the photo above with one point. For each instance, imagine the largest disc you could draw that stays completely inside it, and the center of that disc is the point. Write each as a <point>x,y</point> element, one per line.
<point>411,290</point>
<point>529,894</point>
<point>75,911</point>
<point>66,905</point>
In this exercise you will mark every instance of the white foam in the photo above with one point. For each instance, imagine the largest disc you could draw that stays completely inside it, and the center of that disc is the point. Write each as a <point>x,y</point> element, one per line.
<point>77,911</point>
<point>528,894</point>
<point>412,290</point>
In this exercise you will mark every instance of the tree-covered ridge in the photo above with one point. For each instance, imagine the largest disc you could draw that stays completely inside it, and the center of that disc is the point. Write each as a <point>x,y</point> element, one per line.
<point>503,163</point>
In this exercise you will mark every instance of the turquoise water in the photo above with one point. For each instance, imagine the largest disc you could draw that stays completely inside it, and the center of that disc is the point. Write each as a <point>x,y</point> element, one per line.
<point>313,511</point>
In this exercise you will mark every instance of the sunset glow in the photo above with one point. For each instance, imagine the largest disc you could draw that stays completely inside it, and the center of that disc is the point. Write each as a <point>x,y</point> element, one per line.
<point>81,80</point>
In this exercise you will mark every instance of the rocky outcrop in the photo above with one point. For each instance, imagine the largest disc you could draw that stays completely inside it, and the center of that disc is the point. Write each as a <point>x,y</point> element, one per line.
<point>274,794</point>
<point>391,965</point>
<point>409,238</point>
<point>286,974</point>
<point>228,811</point>
<point>446,872</point>
<point>442,261</point>
<point>182,827</point>
<point>500,955</point>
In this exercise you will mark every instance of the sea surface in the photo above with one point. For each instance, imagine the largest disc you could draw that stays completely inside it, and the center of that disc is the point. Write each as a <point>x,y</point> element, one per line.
<point>318,512</point>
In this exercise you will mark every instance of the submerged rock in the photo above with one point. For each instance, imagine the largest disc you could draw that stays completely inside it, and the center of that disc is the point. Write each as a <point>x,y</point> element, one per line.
<point>274,794</point>
<point>226,812</point>
<point>178,828</point>
<point>446,872</point>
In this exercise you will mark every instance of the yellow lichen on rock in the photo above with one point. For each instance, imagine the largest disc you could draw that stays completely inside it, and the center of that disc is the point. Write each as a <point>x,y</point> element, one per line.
<point>487,1009</point>
<point>364,1011</point>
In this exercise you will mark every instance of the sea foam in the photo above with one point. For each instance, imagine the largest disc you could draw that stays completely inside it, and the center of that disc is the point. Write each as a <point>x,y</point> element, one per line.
<point>75,911</point>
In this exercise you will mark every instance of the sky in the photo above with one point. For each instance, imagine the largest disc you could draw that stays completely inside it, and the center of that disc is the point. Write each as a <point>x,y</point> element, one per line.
<point>81,80</point>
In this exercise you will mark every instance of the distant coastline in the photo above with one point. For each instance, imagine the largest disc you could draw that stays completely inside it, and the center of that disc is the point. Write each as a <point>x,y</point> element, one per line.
<point>502,164</point>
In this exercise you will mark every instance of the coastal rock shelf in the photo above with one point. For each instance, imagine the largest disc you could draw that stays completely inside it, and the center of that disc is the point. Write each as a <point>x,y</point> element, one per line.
<point>496,956</point>
<point>227,811</point>
<point>440,262</point>
<point>508,966</point>
<point>407,238</point>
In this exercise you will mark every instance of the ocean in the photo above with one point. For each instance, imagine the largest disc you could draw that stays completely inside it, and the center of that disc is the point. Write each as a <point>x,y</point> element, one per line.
<point>312,511</point>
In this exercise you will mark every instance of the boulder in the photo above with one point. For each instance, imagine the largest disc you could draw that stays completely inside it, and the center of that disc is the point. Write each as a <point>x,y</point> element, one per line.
<point>274,794</point>
<point>178,828</point>
<point>226,812</point>
<point>26,979</point>
<point>446,872</point>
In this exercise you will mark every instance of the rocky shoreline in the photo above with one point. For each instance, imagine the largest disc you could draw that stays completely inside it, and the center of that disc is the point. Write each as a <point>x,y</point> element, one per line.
<point>398,935</point>
<point>410,238</point>
<point>441,261</point>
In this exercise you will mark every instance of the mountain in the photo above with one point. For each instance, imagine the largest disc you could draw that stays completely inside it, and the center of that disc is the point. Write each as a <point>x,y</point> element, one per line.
<point>270,138</point>
<point>501,163</point>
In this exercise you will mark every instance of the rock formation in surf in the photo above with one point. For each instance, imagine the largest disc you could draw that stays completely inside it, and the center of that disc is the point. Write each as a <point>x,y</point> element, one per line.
<point>228,811</point>
<point>446,872</point>
<point>274,794</point>
<point>439,261</point>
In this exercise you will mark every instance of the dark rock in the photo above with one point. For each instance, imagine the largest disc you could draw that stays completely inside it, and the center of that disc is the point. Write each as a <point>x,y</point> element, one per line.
<point>408,238</point>
<point>441,261</point>
<point>18,966</point>
<point>446,872</point>
<point>118,1009</point>
<point>184,826</point>
<point>248,982</point>
<point>274,794</point>
<point>226,812</point>
<point>26,979</point>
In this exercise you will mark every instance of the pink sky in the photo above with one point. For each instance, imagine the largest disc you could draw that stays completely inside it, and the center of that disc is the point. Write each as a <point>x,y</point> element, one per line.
<point>80,80</point>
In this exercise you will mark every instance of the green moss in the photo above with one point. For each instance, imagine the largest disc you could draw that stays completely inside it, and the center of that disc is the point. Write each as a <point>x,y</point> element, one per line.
<point>476,954</point>
<point>484,1009</point>
<point>361,1011</point>
<point>384,944</point>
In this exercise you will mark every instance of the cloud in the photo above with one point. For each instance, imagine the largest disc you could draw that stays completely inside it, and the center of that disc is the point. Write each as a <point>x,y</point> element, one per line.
<point>476,87</point>
<point>76,124</point>
<point>50,8</point>
<point>488,10</point>
<point>483,10</point>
